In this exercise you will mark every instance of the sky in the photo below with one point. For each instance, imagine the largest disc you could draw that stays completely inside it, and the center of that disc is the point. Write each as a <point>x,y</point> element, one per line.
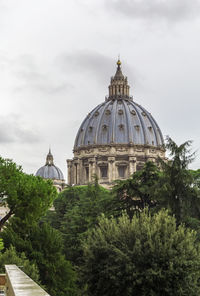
<point>57,57</point>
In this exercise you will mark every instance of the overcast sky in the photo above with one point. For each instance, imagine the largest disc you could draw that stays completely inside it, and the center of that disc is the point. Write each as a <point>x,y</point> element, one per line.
<point>57,57</point>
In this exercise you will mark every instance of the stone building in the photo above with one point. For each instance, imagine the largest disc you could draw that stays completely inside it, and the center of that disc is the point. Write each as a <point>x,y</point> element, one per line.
<point>115,139</point>
<point>50,171</point>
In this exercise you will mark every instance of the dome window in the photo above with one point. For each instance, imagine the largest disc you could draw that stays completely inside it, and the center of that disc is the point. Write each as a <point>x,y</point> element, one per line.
<point>120,112</point>
<point>143,113</point>
<point>104,127</point>
<point>137,127</point>
<point>150,128</point>
<point>96,113</point>
<point>90,128</point>
<point>133,112</point>
<point>121,127</point>
<point>108,112</point>
<point>82,130</point>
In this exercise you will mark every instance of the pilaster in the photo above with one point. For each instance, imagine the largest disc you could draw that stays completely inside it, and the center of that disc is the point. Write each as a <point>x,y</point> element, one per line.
<point>132,165</point>
<point>92,167</point>
<point>69,171</point>
<point>111,169</point>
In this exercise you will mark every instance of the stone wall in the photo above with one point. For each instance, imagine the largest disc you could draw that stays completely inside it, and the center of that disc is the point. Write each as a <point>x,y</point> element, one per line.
<point>109,163</point>
<point>18,283</point>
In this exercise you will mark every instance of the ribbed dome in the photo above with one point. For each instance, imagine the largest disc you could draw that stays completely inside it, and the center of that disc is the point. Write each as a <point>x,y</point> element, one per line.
<point>119,120</point>
<point>49,170</point>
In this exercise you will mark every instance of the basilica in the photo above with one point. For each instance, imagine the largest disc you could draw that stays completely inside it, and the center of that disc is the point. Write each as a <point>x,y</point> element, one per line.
<point>114,140</point>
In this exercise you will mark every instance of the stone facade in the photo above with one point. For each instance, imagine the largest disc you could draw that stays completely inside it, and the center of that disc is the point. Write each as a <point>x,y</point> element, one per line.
<point>109,163</point>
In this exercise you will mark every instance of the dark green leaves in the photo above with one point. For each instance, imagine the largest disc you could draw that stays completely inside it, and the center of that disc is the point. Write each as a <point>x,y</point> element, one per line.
<point>145,256</point>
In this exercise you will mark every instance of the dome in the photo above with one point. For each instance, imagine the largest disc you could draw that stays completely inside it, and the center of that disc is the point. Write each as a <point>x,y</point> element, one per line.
<point>49,170</point>
<point>119,120</point>
<point>115,139</point>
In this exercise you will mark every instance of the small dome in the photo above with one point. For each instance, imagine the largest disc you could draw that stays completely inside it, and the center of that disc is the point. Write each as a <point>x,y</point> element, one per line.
<point>49,170</point>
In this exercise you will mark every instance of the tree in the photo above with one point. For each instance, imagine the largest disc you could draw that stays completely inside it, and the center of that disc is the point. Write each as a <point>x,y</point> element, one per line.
<point>28,199</point>
<point>77,210</point>
<point>196,177</point>
<point>137,192</point>
<point>145,256</point>
<point>43,245</point>
<point>26,196</point>
<point>175,189</point>
<point>10,256</point>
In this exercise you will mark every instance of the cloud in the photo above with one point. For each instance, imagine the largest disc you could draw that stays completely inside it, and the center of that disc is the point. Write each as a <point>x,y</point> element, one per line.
<point>99,67</point>
<point>169,10</point>
<point>85,62</point>
<point>13,130</point>
<point>31,75</point>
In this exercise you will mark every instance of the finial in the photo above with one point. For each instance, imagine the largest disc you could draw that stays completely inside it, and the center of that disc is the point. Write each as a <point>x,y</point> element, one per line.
<point>119,63</point>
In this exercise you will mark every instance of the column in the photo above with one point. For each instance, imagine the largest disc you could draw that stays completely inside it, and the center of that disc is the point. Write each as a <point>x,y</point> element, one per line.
<point>92,170</point>
<point>132,165</point>
<point>81,172</point>
<point>111,173</point>
<point>121,89</point>
<point>69,171</point>
<point>75,173</point>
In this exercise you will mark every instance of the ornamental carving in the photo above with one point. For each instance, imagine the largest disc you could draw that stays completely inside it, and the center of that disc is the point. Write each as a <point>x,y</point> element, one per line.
<point>121,149</point>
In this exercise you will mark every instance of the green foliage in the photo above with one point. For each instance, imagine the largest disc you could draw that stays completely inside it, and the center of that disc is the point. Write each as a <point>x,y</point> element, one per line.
<point>27,197</point>
<point>172,186</point>
<point>10,256</point>
<point>146,256</point>
<point>65,201</point>
<point>43,245</point>
<point>137,192</point>
<point>57,273</point>
<point>76,211</point>
<point>175,188</point>
<point>1,245</point>
<point>196,177</point>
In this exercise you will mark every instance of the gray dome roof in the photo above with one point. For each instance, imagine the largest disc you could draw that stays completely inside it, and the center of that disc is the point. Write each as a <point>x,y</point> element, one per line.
<point>49,170</point>
<point>119,120</point>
